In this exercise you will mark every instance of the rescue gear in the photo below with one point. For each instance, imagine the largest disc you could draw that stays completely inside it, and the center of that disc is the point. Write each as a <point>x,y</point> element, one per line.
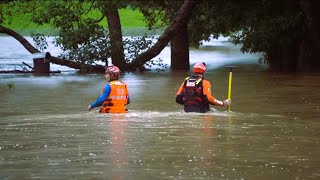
<point>114,72</point>
<point>117,99</point>
<point>195,93</point>
<point>193,98</point>
<point>199,68</point>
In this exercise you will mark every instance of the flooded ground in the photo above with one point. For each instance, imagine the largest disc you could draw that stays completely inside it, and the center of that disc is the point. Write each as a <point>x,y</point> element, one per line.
<point>272,132</point>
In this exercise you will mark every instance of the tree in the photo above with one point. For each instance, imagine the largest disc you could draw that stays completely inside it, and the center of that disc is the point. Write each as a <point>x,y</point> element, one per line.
<point>79,36</point>
<point>282,30</point>
<point>110,10</point>
<point>117,51</point>
<point>285,32</point>
<point>309,47</point>
<point>164,11</point>
<point>32,50</point>
<point>176,25</point>
<point>84,35</point>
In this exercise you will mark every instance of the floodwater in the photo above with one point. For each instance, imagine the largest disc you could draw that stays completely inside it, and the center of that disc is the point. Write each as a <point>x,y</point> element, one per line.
<point>273,131</point>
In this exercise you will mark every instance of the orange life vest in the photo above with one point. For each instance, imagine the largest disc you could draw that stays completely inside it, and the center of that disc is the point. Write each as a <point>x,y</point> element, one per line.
<point>117,99</point>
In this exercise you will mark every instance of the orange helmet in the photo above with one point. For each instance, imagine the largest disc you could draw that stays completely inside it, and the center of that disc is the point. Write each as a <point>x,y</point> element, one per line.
<point>199,68</point>
<point>114,71</point>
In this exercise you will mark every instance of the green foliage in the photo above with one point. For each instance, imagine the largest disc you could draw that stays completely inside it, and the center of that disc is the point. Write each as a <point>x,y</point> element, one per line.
<point>82,34</point>
<point>215,18</point>
<point>268,25</point>
<point>97,48</point>
<point>21,16</point>
<point>161,66</point>
<point>157,14</point>
<point>259,25</point>
<point>40,41</point>
<point>18,15</point>
<point>135,45</point>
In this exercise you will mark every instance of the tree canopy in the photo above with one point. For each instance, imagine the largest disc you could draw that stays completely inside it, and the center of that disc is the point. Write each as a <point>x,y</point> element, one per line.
<point>286,32</point>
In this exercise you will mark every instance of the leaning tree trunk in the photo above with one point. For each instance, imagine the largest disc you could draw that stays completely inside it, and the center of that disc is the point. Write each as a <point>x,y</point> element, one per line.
<point>19,38</point>
<point>114,25</point>
<point>180,50</point>
<point>52,59</point>
<point>182,18</point>
<point>177,23</point>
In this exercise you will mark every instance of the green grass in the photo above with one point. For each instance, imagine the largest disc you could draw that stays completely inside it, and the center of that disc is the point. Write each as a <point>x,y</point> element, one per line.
<point>131,22</point>
<point>22,25</point>
<point>131,18</point>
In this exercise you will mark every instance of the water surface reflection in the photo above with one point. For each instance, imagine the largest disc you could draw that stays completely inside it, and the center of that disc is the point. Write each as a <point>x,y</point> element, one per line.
<point>272,133</point>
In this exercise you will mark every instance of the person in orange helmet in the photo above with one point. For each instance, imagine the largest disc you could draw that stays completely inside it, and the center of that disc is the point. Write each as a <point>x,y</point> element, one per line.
<point>195,92</point>
<point>114,96</point>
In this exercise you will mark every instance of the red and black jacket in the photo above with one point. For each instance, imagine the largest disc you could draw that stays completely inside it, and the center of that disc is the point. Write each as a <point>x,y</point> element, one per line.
<point>192,96</point>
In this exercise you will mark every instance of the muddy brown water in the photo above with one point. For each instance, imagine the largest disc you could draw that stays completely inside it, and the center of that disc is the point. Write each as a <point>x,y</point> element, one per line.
<point>272,132</point>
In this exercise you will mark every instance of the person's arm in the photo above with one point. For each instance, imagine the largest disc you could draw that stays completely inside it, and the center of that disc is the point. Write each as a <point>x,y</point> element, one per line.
<point>207,91</point>
<point>179,96</point>
<point>128,99</point>
<point>102,97</point>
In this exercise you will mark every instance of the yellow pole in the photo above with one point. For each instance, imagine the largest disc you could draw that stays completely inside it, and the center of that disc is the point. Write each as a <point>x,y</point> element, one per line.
<point>229,89</point>
<point>230,82</point>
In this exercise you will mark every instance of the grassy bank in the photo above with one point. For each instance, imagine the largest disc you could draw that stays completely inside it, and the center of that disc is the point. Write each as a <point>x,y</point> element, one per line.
<point>131,21</point>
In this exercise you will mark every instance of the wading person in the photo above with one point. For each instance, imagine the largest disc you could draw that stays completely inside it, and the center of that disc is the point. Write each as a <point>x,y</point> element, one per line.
<point>195,92</point>
<point>114,96</point>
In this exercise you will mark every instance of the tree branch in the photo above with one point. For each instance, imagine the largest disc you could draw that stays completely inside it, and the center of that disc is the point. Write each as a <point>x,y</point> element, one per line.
<point>181,18</point>
<point>52,59</point>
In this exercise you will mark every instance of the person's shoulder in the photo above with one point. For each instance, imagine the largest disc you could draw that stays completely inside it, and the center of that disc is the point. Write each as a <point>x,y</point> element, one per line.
<point>117,82</point>
<point>108,85</point>
<point>123,82</point>
<point>204,81</point>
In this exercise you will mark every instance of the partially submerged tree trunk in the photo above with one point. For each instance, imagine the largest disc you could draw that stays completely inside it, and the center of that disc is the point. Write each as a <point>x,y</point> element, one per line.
<point>284,57</point>
<point>114,25</point>
<point>180,50</point>
<point>177,23</point>
<point>308,59</point>
<point>19,38</point>
<point>300,55</point>
<point>52,59</point>
<point>77,65</point>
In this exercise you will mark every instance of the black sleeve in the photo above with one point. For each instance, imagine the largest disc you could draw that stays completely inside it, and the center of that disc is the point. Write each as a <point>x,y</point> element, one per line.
<point>206,100</point>
<point>179,99</point>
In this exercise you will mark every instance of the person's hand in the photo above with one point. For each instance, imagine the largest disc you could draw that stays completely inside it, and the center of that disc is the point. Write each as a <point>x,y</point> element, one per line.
<point>227,102</point>
<point>89,108</point>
